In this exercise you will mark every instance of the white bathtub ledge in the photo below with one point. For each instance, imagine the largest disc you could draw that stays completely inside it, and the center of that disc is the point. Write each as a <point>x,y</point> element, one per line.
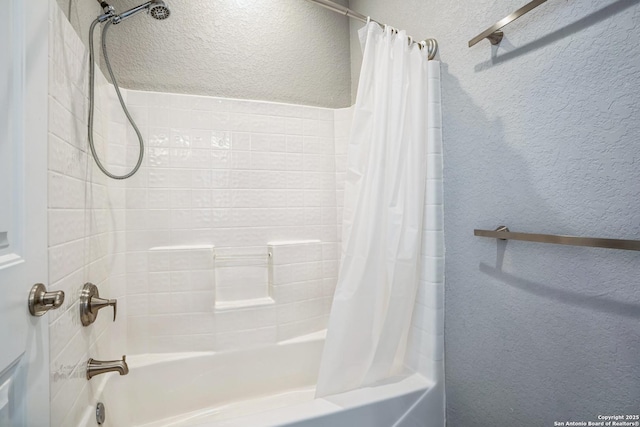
<point>409,389</point>
<point>315,336</point>
<point>392,387</point>
<point>281,416</point>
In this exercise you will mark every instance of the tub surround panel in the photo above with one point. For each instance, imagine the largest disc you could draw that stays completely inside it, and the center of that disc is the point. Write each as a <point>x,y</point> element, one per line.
<point>85,224</point>
<point>176,296</point>
<point>246,177</point>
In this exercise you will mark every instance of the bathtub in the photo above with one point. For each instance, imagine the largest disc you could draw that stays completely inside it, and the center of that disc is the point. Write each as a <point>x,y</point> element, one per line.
<point>269,386</point>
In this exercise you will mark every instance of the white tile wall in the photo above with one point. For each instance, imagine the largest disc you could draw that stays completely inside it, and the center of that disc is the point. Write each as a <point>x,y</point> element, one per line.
<point>235,175</point>
<point>342,129</point>
<point>171,298</point>
<point>190,309</point>
<point>302,287</point>
<point>84,218</point>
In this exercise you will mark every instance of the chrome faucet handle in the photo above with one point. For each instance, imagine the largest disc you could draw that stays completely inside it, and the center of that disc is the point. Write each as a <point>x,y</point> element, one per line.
<point>91,303</point>
<point>98,303</point>
<point>41,301</point>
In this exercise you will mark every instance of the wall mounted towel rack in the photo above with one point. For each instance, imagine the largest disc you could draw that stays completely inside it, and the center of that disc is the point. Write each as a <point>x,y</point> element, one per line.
<point>503,233</point>
<point>493,33</point>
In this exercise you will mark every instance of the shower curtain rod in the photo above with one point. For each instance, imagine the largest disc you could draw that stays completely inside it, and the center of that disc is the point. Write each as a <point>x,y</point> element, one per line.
<point>430,44</point>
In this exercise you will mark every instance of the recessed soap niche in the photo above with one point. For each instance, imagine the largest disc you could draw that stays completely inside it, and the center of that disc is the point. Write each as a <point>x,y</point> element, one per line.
<point>255,276</point>
<point>4,239</point>
<point>242,277</point>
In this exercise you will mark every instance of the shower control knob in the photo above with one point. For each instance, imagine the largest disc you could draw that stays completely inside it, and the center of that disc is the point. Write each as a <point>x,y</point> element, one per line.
<point>91,303</point>
<point>41,301</point>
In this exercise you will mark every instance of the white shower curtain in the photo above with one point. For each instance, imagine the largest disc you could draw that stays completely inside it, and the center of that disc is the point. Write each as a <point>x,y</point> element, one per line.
<point>383,214</point>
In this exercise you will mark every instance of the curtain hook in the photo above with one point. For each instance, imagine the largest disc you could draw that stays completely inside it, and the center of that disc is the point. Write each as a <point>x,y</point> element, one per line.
<point>368,20</point>
<point>410,39</point>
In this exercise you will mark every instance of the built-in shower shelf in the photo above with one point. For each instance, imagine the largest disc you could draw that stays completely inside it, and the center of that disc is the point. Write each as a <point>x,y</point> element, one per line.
<point>244,303</point>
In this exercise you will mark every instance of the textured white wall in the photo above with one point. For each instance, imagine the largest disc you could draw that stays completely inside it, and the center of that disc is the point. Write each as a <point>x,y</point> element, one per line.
<point>540,134</point>
<point>285,51</point>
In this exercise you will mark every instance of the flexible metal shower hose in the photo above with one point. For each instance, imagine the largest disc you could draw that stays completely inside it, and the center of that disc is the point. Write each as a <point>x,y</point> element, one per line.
<point>92,103</point>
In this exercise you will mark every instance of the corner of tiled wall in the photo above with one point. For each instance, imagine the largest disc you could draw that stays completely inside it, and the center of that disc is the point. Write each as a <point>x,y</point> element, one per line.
<point>425,353</point>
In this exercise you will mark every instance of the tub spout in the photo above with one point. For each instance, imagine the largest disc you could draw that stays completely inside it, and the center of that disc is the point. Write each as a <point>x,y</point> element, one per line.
<point>97,367</point>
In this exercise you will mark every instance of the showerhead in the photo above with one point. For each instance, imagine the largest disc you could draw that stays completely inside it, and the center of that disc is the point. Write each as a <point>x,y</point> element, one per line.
<point>159,10</point>
<point>156,8</point>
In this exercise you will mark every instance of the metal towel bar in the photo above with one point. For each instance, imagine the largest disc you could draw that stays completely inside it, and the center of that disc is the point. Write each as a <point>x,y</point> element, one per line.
<point>493,34</point>
<point>503,233</point>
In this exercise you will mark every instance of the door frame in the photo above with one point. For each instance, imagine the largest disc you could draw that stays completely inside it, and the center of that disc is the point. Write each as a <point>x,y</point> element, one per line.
<point>35,21</point>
